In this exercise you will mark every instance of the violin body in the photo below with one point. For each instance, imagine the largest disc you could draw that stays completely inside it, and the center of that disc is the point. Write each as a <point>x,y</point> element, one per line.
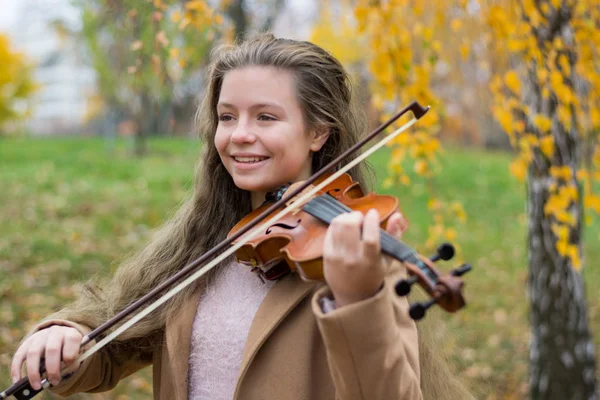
<point>295,242</point>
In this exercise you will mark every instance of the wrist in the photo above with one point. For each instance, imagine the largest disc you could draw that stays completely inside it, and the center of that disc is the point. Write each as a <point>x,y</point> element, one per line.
<point>344,300</point>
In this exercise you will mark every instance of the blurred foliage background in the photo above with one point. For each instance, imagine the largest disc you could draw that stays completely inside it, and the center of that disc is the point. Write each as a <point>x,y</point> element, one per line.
<point>97,144</point>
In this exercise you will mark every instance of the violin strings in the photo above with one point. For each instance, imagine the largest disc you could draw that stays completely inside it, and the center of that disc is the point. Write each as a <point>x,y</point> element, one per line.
<point>332,208</point>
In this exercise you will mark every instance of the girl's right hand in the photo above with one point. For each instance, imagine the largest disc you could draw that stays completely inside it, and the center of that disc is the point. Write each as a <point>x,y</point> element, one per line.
<point>50,345</point>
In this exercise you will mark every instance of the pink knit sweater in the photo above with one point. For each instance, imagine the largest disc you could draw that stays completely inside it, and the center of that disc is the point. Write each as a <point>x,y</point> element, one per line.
<point>221,325</point>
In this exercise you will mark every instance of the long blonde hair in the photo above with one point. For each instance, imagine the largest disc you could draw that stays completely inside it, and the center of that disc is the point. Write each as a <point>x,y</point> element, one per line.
<point>325,95</point>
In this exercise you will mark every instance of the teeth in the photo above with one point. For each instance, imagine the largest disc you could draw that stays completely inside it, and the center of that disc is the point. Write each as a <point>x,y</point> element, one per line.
<point>249,159</point>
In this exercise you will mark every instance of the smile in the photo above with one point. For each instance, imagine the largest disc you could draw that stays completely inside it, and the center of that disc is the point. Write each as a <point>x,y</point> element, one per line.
<point>249,160</point>
<point>249,163</point>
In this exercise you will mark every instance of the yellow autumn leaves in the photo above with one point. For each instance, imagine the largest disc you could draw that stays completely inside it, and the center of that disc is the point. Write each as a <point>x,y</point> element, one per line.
<point>404,47</point>
<point>337,35</point>
<point>445,216</point>
<point>196,13</point>
<point>563,194</point>
<point>16,84</point>
<point>551,67</point>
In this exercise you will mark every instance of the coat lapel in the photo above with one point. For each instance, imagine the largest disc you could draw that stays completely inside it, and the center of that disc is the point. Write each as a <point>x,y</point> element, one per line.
<point>279,301</point>
<point>178,334</point>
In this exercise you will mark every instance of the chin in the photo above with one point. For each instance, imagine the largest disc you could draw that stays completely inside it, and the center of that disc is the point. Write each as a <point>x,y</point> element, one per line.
<point>253,185</point>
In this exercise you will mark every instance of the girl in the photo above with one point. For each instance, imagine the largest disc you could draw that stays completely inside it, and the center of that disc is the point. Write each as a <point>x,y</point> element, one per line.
<point>275,111</point>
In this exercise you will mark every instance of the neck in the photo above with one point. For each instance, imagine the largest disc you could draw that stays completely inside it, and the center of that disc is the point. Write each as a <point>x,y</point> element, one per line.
<point>257,198</point>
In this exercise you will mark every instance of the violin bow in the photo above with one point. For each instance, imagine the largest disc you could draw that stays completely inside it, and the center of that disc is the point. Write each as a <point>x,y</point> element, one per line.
<point>22,389</point>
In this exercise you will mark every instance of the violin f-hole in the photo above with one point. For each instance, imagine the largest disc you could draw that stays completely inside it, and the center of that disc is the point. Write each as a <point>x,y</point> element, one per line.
<point>284,226</point>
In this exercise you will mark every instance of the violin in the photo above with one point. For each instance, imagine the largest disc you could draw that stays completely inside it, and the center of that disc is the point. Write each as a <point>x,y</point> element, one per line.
<point>305,207</point>
<point>295,243</point>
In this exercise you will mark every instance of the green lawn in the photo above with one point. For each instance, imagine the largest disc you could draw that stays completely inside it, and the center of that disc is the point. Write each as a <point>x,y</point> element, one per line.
<point>70,209</point>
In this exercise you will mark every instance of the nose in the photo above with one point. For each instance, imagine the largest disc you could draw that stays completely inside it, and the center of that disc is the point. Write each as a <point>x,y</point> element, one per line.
<point>242,134</point>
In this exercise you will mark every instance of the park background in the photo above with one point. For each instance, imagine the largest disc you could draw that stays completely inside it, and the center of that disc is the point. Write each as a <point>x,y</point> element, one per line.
<point>97,146</point>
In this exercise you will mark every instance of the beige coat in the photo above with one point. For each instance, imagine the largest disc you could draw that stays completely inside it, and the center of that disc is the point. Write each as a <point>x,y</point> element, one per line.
<point>367,350</point>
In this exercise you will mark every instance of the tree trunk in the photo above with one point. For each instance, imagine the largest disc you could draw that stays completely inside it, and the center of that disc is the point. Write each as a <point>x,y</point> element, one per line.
<point>562,350</point>
<point>237,13</point>
<point>142,125</point>
<point>562,357</point>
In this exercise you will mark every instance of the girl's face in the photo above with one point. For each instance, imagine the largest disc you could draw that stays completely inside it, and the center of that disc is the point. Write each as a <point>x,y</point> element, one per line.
<point>261,136</point>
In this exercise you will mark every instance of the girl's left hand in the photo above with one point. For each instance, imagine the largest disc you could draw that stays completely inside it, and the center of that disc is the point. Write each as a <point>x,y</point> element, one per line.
<point>354,266</point>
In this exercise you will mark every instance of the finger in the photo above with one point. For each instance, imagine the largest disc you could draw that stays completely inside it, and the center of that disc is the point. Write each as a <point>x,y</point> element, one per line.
<point>393,224</point>
<point>371,237</point>
<point>403,223</point>
<point>17,362</point>
<point>396,225</point>
<point>71,347</point>
<point>34,353</point>
<point>52,356</point>
<point>345,232</point>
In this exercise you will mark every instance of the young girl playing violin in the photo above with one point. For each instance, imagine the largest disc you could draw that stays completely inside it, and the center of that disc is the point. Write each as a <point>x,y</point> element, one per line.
<point>275,111</point>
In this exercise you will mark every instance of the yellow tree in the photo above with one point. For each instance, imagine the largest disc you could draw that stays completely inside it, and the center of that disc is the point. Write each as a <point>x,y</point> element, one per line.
<point>334,30</point>
<point>16,85</point>
<point>142,51</point>
<point>404,48</point>
<point>549,105</point>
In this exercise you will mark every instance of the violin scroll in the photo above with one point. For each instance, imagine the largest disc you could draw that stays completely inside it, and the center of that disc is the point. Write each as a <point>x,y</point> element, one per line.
<point>447,291</point>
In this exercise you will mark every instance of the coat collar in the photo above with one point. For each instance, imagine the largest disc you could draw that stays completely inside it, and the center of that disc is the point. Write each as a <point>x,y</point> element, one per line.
<point>279,301</point>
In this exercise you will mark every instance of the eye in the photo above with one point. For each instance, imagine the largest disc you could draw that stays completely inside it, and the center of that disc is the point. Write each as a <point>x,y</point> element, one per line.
<point>266,117</point>
<point>225,117</point>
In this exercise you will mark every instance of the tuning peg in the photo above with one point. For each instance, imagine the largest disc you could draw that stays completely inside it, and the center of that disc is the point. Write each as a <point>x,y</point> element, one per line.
<point>460,271</point>
<point>445,251</point>
<point>403,286</point>
<point>418,310</point>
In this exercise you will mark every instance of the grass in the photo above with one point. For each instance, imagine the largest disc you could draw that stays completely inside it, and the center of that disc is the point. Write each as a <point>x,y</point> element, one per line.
<point>72,209</point>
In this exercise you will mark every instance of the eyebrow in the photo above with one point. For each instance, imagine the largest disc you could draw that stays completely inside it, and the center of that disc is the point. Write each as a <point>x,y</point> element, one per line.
<point>254,106</point>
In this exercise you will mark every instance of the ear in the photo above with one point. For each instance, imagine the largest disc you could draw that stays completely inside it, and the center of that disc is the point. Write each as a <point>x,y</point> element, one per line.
<point>319,136</point>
